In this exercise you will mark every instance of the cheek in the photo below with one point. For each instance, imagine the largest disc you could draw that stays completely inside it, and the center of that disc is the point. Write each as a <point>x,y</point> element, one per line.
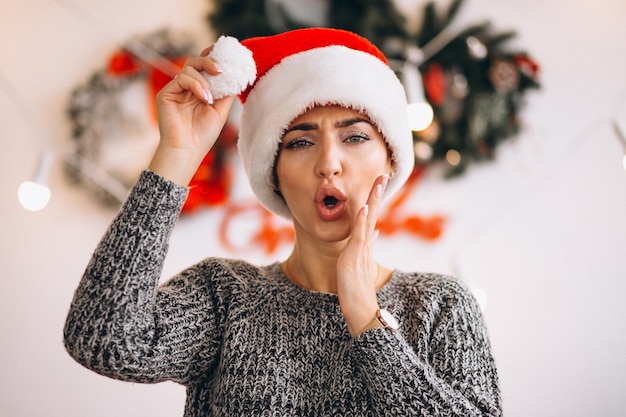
<point>365,173</point>
<point>287,175</point>
<point>378,162</point>
<point>372,167</point>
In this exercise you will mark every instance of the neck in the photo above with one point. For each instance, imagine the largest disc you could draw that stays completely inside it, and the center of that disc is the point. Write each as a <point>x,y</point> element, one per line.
<point>312,270</point>
<point>316,270</point>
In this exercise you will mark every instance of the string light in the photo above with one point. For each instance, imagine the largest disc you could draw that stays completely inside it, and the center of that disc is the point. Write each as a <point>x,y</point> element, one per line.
<point>420,116</point>
<point>453,157</point>
<point>423,151</point>
<point>419,111</point>
<point>476,47</point>
<point>35,195</point>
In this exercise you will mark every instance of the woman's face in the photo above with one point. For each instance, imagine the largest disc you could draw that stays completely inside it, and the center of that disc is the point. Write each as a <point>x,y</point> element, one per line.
<point>328,161</point>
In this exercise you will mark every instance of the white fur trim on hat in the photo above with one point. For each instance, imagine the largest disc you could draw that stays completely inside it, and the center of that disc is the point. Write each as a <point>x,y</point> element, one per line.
<point>326,75</point>
<point>238,66</point>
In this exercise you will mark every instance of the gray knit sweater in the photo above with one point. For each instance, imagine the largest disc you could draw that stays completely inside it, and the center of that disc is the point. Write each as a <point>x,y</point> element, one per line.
<point>245,341</point>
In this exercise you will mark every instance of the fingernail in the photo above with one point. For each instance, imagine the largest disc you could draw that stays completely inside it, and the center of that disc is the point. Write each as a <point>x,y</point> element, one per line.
<point>366,209</point>
<point>217,67</point>
<point>379,191</point>
<point>208,96</point>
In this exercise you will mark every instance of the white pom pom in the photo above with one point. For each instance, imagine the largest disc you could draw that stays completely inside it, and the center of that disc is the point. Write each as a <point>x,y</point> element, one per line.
<point>237,63</point>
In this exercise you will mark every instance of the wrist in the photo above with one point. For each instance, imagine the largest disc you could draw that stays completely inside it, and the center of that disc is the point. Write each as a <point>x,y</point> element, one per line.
<point>382,319</point>
<point>360,319</point>
<point>175,164</point>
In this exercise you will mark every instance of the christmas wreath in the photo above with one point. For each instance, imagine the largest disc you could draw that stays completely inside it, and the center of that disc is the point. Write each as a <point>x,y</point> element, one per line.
<point>97,115</point>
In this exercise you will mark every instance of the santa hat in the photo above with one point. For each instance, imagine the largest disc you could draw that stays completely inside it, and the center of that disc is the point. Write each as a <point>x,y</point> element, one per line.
<point>296,71</point>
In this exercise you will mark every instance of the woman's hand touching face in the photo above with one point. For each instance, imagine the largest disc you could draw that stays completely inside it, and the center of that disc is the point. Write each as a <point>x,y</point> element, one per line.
<point>358,275</point>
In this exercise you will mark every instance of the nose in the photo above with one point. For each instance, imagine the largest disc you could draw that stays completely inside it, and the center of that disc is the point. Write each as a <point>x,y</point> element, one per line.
<point>329,159</point>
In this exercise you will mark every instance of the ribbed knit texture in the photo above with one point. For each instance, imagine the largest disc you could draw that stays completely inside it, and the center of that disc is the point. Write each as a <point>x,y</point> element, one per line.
<point>245,341</point>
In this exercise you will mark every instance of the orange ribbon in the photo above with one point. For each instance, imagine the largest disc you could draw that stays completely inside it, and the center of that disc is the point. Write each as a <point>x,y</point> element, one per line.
<point>268,234</point>
<point>429,228</point>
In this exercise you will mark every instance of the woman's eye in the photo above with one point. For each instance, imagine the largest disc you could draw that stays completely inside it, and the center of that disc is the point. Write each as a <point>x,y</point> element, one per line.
<point>357,138</point>
<point>297,143</point>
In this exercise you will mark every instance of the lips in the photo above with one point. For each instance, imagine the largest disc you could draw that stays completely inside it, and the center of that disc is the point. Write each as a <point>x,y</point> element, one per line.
<point>330,202</point>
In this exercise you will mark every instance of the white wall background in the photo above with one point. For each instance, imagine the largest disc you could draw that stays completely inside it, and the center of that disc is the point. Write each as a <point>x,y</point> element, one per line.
<point>541,231</point>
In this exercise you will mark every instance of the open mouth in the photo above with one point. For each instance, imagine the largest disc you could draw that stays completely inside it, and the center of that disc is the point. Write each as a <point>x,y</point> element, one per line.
<point>330,201</point>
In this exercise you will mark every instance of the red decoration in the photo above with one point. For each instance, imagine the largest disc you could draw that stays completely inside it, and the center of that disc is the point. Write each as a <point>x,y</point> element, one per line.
<point>124,64</point>
<point>429,228</point>
<point>435,84</point>
<point>527,66</point>
<point>158,79</point>
<point>211,183</point>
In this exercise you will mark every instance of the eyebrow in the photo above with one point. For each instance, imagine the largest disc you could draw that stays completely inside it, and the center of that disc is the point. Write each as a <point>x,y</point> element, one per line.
<point>341,123</point>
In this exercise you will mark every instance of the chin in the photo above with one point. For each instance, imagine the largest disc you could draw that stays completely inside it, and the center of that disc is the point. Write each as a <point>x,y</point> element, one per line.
<point>334,232</point>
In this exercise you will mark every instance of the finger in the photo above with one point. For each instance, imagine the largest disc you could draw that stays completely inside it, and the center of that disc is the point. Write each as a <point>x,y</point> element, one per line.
<point>194,67</point>
<point>360,245</point>
<point>361,234</point>
<point>189,80</point>
<point>206,51</point>
<point>365,221</point>
<point>374,200</point>
<point>204,63</point>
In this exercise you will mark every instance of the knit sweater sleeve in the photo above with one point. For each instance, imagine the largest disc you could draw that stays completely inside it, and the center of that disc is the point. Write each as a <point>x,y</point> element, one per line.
<point>119,324</point>
<point>456,376</point>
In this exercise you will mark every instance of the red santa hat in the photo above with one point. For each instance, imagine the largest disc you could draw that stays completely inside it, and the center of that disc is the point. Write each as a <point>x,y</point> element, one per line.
<point>280,77</point>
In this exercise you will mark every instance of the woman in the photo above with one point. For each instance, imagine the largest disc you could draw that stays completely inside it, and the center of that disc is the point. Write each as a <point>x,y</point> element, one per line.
<point>329,331</point>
